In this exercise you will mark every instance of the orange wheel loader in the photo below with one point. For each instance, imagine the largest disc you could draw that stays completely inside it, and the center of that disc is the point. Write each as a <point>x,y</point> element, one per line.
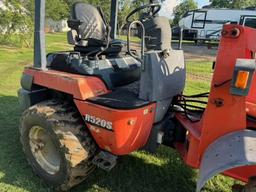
<point>86,107</point>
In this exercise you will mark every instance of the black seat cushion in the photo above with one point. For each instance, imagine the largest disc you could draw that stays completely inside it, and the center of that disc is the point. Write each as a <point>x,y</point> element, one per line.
<point>125,76</point>
<point>113,76</point>
<point>116,47</point>
<point>119,99</point>
<point>58,61</point>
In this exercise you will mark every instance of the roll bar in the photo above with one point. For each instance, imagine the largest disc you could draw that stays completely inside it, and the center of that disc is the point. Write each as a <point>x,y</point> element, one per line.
<point>113,18</point>
<point>39,35</point>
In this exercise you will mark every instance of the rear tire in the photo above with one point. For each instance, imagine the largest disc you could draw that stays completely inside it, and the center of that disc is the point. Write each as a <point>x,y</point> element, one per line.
<point>56,144</point>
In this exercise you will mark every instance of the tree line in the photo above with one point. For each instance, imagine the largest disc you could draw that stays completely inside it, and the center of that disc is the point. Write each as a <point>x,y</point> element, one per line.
<point>17,15</point>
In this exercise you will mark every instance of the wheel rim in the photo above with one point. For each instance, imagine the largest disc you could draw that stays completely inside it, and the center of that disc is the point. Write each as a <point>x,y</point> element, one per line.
<point>44,150</point>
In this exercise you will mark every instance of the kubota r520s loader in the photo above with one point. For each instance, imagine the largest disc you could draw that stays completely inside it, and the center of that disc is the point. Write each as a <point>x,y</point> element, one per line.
<point>84,108</point>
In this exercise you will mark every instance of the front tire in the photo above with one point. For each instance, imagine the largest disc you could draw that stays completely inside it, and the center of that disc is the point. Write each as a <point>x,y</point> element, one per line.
<point>56,144</point>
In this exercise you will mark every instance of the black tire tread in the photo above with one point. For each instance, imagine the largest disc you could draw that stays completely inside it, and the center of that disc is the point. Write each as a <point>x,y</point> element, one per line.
<point>76,142</point>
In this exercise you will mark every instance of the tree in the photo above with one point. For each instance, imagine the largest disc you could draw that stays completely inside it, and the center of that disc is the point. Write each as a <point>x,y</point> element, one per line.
<point>55,9</point>
<point>104,4</point>
<point>243,3</point>
<point>181,9</point>
<point>15,24</point>
<point>233,4</point>
<point>138,3</point>
<point>221,3</point>
<point>123,13</point>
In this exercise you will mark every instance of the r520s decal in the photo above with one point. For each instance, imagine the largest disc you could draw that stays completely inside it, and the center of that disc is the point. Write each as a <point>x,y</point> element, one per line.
<point>99,122</point>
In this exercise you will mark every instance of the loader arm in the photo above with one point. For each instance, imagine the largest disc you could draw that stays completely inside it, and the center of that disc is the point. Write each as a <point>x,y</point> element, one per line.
<point>221,141</point>
<point>232,151</point>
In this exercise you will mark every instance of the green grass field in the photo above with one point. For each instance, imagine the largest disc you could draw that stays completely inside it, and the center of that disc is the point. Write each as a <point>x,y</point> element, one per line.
<point>139,172</point>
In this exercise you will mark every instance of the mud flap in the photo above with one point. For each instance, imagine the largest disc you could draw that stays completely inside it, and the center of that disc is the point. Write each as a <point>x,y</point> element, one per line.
<point>230,151</point>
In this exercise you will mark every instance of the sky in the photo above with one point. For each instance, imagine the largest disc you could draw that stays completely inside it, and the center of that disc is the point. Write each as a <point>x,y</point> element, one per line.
<point>168,5</point>
<point>202,2</point>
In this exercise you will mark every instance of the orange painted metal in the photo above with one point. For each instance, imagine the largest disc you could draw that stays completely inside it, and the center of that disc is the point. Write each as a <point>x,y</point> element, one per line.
<point>242,173</point>
<point>131,128</point>
<point>251,108</point>
<point>80,86</point>
<point>225,113</point>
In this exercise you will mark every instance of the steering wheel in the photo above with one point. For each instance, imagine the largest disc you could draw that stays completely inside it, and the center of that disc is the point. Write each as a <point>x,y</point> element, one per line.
<point>153,9</point>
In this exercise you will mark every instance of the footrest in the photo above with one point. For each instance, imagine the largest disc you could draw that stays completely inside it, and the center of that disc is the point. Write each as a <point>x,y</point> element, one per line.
<point>105,161</point>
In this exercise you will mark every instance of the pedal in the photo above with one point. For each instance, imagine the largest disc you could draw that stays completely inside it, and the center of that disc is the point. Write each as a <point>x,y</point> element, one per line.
<point>105,161</point>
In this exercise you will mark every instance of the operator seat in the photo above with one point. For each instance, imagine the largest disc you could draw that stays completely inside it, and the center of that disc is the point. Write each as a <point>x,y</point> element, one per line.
<point>95,54</point>
<point>158,33</point>
<point>90,32</point>
<point>162,78</point>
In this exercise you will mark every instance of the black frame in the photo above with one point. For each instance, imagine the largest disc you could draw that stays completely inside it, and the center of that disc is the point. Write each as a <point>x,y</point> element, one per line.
<point>113,18</point>
<point>245,16</point>
<point>193,20</point>
<point>39,36</point>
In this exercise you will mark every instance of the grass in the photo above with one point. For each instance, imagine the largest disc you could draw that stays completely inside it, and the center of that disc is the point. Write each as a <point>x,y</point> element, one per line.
<point>124,38</point>
<point>138,172</point>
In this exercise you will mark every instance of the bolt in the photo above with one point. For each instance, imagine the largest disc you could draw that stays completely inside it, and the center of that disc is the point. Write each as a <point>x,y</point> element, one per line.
<point>131,122</point>
<point>235,32</point>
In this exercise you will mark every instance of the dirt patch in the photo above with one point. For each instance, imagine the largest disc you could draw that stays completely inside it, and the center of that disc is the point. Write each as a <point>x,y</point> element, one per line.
<point>199,77</point>
<point>194,57</point>
<point>194,52</point>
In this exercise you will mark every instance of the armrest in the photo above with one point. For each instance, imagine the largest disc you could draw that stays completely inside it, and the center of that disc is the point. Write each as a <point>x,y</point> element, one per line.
<point>74,23</point>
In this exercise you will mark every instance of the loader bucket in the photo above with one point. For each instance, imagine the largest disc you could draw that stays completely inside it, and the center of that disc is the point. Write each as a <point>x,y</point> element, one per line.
<point>231,151</point>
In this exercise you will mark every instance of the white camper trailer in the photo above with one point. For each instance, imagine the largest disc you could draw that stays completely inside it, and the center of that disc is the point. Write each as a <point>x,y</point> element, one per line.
<point>208,23</point>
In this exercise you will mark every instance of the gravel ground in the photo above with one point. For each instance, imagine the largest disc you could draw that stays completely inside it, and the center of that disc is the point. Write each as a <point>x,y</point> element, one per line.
<point>194,52</point>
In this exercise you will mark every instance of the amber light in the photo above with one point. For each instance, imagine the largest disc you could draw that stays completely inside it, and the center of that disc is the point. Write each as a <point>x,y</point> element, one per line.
<point>242,79</point>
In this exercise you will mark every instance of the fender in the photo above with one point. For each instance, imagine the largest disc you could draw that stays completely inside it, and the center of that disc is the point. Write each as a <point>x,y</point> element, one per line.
<point>80,86</point>
<point>233,150</point>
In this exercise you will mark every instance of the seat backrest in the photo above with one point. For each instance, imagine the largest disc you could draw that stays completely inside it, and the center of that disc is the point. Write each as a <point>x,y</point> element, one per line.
<point>162,78</point>
<point>158,33</point>
<point>88,22</point>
